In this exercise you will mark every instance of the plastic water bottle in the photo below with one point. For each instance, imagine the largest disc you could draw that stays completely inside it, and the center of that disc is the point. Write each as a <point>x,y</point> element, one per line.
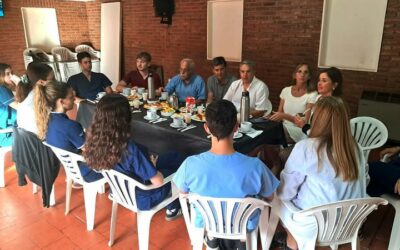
<point>245,106</point>
<point>151,90</point>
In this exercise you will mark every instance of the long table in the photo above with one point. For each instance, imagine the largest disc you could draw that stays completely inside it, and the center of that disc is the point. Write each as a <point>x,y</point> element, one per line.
<point>161,137</point>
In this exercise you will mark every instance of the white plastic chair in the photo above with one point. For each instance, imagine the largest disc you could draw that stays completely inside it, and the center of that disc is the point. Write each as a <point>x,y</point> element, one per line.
<point>3,152</point>
<point>394,200</point>
<point>50,60</point>
<point>66,62</point>
<point>217,213</point>
<point>124,193</point>
<point>369,132</point>
<point>338,222</point>
<point>70,162</point>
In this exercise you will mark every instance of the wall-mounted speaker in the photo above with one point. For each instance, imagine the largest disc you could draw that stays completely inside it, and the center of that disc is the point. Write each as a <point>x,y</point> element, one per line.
<point>164,9</point>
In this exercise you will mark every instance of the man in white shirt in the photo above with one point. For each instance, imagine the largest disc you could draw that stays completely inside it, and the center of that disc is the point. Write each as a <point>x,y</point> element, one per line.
<point>258,90</point>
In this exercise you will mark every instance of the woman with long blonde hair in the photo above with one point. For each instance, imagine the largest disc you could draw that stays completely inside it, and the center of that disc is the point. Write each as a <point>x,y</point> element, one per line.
<point>326,167</point>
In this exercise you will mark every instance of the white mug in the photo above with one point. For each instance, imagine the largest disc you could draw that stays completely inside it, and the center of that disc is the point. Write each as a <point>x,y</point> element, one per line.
<point>246,126</point>
<point>126,91</point>
<point>151,114</point>
<point>100,95</point>
<point>164,95</point>
<point>178,121</point>
<point>140,90</point>
<point>145,94</point>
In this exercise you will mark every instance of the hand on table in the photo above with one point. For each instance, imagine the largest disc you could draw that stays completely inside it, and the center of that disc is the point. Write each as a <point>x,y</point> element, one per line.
<point>389,151</point>
<point>277,116</point>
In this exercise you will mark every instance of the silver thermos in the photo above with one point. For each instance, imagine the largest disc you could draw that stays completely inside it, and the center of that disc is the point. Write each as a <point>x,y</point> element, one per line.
<point>173,101</point>
<point>245,106</point>
<point>151,90</point>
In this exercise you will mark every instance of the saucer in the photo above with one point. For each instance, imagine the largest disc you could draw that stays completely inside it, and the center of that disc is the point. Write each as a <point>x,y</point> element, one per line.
<point>151,119</point>
<point>250,131</point>
<point>180,126</point>
<point>237,136</point>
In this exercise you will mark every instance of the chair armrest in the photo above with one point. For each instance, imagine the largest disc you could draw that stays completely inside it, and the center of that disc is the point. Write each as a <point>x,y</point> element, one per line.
<point>149,187</point>
<point>385,158</point>
<point>6,130</point>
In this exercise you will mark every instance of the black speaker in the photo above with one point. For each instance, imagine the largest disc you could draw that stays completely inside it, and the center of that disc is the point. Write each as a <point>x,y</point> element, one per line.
<point>164,9</point>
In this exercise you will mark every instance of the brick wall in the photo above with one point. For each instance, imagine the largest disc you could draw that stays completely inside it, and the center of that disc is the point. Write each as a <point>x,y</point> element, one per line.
<point>277,36</point>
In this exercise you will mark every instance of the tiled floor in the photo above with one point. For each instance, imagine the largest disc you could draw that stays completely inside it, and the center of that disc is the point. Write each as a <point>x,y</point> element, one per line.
<point>25,224</point>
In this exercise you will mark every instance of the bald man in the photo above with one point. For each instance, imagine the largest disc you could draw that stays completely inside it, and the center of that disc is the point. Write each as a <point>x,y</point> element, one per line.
<point>187,83</point>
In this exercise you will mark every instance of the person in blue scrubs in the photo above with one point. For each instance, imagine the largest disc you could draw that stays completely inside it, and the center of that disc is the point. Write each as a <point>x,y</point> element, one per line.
<point>8,115</point>
<point>52,101</point>
<point>109,146</point>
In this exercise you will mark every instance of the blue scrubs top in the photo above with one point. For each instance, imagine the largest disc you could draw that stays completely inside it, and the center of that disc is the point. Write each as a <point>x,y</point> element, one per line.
<point>89,89</point>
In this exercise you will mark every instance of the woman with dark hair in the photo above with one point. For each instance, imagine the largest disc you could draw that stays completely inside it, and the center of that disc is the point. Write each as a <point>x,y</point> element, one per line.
<point>328,166</point>
<point>7,113</point>
<point>296,99</point>
<point>109,146</point>
<point>52,101</point>
<point>36,74</point>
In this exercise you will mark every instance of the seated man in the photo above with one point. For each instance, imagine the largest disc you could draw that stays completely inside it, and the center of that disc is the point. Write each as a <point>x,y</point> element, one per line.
<point>220,82</point>
<point>88,84</point>
<point>187,83</point>
<point>140,76</point>
<point>221,171</point>
<point>258,90</point>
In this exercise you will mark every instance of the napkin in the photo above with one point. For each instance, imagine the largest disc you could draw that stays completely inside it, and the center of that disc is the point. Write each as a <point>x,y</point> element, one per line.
<point>254,133</point>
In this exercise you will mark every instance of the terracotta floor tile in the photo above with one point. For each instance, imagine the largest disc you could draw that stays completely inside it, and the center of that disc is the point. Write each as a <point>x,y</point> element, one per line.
<point>42,233</point>
<point>64,243</point>
<point>78,234</point>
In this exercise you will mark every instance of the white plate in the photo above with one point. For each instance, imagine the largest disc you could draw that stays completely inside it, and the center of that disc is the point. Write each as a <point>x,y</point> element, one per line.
<point>194,118</point>
<point>174,126</point>
<point>151,119</point>
<point>237,136</point>
<point>167,113</point>
<point>250,131</point>
<point>152,102</point>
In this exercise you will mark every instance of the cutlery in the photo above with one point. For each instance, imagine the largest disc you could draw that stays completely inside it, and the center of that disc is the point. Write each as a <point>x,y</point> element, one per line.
<point>159,120</point>
<point>137,111</point>
<point>151,121</point>
<point>187,128</point>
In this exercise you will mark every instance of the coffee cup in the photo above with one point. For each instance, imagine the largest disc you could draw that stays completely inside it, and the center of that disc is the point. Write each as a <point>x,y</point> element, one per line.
<point>188,118</point>
<point>164,95</point>
<point>136,103</point>
<point>15,79</point>
<point>100,95</point>
<point>246,126</point>
<point>151,114</point>
<point>126,91</point>
<point>145,95</point>
<point>177,121</point>
<point>140,90</point>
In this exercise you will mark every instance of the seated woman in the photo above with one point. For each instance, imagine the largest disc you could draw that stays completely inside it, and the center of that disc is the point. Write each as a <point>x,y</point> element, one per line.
<point>109,146</point>
<point>36,73</point>
<point>326,167</point>
<point>7,113</point>
<point>52,101</point>
<point>385,177</point>
<point>330,82</point>
<point>296,99</point>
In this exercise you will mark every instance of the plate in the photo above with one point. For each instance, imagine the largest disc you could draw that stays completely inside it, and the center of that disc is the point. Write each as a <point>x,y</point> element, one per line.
<point>152,102</point>
<point>237,136</point>
<point>199,118</point>
<point>250,131</point>
<point>167,113</point>
<point>131,103</point>
<point>181,126</point>
<point>151,119</point>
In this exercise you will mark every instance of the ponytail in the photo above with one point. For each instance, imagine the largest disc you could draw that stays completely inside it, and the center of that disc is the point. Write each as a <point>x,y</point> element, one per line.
<point>42,110</point>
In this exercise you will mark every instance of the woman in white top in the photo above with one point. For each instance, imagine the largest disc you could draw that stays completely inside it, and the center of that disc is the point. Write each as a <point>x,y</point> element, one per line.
<point>326,167</point>
<point>36,73</point>
<point>296,99</point>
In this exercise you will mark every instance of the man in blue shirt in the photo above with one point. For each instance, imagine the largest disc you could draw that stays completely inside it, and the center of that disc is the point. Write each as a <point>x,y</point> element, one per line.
<point>222,172</point>
<point>187,83</point>
<point>88,84</point>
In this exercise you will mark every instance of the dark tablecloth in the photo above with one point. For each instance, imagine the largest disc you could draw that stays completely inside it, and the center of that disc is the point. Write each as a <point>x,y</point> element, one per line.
<point>161,138</point>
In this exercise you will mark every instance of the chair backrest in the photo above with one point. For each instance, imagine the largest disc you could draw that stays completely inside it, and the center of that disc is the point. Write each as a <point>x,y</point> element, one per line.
<point>369,132</point>
<point>340,221</point>
<point>160,71</point>
<point>83,47</point>
<point>70,162</point>
<point>123,188</point>
<point>62,54</point>
<point>225,217</point>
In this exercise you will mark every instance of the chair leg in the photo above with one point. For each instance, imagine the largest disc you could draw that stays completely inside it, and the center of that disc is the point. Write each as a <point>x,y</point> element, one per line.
<point>266,236</point>
<point>355,244</point>
<point>251,241</point>
<point>143,228</point>
<point>197,238</point>
<point>68,196</point>
<point>90,192</point>
<point>52,196</point>
<point>34,188</point>
<point>394,243</point>
<point>101,189</point>
<point>334,247</point>
<point>114,212</point>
